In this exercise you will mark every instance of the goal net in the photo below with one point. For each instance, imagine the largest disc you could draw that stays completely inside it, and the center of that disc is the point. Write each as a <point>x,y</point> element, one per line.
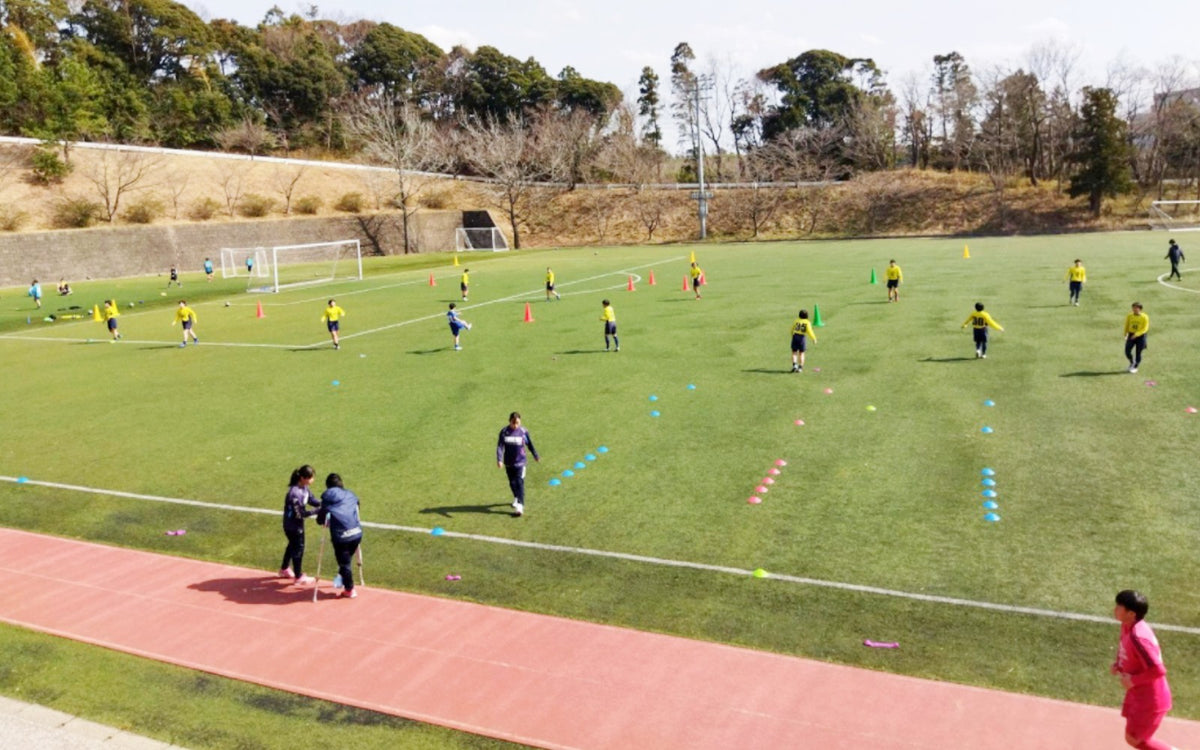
<point>1176,216</point>
<point>285,266</point>
<point>481,238</point>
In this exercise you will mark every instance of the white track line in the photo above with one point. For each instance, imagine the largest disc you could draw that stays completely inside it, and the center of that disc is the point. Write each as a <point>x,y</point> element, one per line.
<point>839,585</point>
<point>1162,280</point>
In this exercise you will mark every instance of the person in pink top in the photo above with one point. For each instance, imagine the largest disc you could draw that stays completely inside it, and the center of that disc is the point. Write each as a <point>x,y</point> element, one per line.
<point>1140,666</point>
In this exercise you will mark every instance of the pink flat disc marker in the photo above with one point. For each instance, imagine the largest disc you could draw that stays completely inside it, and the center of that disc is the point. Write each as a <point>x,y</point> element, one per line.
<point>881,644</point>
<point>753,500</point>
<point>453,577</point>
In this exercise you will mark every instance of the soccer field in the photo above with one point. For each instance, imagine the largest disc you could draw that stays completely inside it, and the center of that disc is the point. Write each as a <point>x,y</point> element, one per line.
<point>874,529</point>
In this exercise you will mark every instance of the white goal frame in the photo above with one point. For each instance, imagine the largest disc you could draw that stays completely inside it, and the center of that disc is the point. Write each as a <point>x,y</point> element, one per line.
<point>343,259</point>
<point>479,238</point>
<point>1165,215</point>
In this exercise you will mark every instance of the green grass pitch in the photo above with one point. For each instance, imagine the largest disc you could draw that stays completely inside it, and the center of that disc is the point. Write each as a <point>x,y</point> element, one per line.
<point>1095,468</point>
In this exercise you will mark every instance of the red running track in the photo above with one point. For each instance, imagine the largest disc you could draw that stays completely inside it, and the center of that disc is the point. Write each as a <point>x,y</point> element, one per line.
<point>533,679</point>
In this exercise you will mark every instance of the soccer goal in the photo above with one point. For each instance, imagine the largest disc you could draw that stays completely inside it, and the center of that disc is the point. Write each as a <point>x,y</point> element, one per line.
<point>481,238</point>
<point>1176,216</point>
<point>285,266</point>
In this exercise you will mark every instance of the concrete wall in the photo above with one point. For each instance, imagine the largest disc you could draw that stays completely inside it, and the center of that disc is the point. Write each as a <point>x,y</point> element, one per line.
<point>108,252</point>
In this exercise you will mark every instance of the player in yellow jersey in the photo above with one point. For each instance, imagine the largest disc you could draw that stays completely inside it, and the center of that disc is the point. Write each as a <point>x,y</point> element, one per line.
<point>465,283</point>
<point>550,285</point>
<point>802,330</point>
<point>980,322</point>
<point>894,276</point>
<point>1076,275</point>
<point>186,316</point>
<point>697,278</point>
<point>331,316</point>
<point>610,325</point>
<point>1137,323</point>
<point>110,318</point>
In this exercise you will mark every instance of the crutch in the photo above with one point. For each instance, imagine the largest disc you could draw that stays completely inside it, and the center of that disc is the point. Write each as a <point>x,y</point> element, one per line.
<point>361,578</point>
<point>321,554</point>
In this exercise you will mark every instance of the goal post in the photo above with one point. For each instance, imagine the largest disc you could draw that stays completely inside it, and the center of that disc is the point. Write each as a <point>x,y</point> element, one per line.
<point>281,267</point>
<point>479,238</point>
<point>1176,216</point>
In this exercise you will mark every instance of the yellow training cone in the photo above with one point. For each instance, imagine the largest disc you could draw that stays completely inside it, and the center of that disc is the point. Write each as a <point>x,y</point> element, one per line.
<point>966,252</point>
<point>456,259</point>
<point>692,259</point>
<point>96,313</point>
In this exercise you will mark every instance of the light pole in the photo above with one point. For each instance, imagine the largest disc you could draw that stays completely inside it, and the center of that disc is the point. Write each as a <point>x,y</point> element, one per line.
<point>703,83</point>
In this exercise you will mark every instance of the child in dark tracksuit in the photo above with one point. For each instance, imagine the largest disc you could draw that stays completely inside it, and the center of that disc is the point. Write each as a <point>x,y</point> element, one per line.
<point>296,507</point>
<point>339,510</point>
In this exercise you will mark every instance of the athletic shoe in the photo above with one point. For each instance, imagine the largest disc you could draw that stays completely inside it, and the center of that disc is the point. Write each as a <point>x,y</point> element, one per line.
<point>350,594</point>
<point>337,346</point>
<point>468,326</point>
<point>1133,369</point>
<point>305,579</point>
<point>183,345</point>
<point>983,356</point>
<point>457,348</point>
<point>617,349</point>
<point>795,368</point>
<point>286,573</point>
<point>518,509</point>
<point>196,341</point>
<point>337,582</point>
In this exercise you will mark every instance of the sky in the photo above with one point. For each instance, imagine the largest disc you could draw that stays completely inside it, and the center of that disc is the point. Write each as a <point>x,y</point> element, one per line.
<point>612,40</point>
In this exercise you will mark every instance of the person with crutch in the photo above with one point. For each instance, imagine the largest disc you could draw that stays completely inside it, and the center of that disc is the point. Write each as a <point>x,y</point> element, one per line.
<point>339,511</point>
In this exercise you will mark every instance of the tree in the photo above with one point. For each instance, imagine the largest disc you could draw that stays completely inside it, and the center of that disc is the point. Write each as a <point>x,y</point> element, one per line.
<point>954,96</point>
<point>115,174</point>
<point>917,124</point>
<point>817,89</point>
<point>648,102</point>
<point>396,135</point>
<point>508,154</point>
<point>683,91</point>
<point>155,39</point>
<point>248,136</point>
<point>574,93</point>
<point>1102,152</point>
<point>495,85</point>
<point>397,61</point>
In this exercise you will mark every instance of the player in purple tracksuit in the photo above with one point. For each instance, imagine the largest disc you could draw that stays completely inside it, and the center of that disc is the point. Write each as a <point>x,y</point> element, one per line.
<point>295,510</point>
<point>510,454</point>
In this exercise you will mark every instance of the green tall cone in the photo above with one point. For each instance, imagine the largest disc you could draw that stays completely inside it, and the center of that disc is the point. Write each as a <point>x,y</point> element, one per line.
<point>873,281</point>
<point>817,317</point>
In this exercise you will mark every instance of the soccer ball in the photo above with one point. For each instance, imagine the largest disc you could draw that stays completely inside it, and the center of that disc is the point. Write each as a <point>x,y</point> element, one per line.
<point>227,303</point>
<point>131,304</point>
<point>162,294</point>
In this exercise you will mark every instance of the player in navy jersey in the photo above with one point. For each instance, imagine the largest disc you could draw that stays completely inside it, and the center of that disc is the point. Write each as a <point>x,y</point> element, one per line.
<point>510,454</point>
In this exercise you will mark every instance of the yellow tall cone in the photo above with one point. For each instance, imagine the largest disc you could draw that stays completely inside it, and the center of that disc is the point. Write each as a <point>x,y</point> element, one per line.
<point>966,252</point>
<point>692,259</point>
<point>456,259</point>
<point>96,313</point>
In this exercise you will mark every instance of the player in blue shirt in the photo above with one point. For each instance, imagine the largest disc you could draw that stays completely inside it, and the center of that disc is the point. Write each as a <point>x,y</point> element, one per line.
<point>457,324</point>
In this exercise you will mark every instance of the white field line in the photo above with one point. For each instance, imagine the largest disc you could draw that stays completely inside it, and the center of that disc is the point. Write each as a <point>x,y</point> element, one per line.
<point>645,559</point>
<point>1163,280</point>
<point>102,336</point>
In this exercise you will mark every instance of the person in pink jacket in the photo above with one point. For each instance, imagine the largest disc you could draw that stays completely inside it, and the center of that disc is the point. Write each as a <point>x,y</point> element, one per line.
<point>1140,666</point>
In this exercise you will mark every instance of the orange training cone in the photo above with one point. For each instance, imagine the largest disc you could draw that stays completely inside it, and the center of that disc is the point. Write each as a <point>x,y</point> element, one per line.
<point>431,281</point>
<point>528,313</point>
<point>651,281</point>
<point>259,312</point>
<point>629,286</point>
<point>685,283</point>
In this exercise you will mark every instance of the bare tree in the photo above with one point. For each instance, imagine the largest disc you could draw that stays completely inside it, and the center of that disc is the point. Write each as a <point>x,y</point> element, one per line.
<point>285,180</point>
<point>918,124</point>
<point>759,203</point>
<point>115,174</point>
<point>569,142</point>
<point>622,157</point>
<point>651,208</point>
<point>232,178</point>
<point>715,109</point>
<point>177,185</point>
<point>510,156</point>
<point>249,136</point>
<point>399,137</point>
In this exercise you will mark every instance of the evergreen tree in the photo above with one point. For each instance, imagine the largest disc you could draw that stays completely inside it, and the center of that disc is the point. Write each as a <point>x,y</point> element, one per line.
<point>1102,150</point>
<point>648,106</point>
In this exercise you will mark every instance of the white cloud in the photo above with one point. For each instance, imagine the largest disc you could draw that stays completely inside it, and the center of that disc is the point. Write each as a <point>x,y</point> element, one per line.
<point>871,40</point>
<point>1052,27</point>
<point>447,38</point>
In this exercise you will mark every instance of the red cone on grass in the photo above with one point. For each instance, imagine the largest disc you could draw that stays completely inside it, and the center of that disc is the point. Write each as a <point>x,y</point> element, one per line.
<point>629,286</point>
<point>686,288</point>
<point>258,313</point>
<point>431,281</point>
<point>651,281</point>
<point>528,313</point>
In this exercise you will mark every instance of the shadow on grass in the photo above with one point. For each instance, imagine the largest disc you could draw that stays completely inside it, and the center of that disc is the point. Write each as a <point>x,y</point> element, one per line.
<point>871,302</point>
<point>1092,374</point>
<point>679,299</point>
<point>432,351</point>
<point>948,359</point>
<point>769,371</point>
<point>258,590</point>
<point>448,511</point>
<point>586,351</point>
<point>152,347</point>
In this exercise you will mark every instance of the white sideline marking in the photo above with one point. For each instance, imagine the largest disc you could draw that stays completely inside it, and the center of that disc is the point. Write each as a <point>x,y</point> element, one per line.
<point>1162,280</point>
<point>840,585</point>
